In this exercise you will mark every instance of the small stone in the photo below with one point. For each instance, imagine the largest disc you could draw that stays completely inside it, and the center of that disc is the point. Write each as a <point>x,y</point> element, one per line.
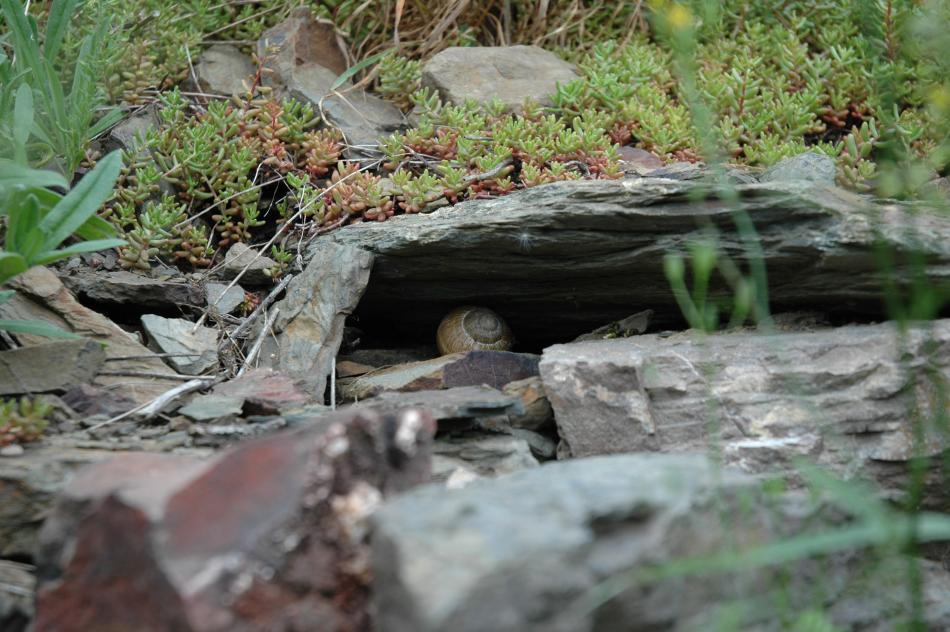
<point>363,119</point>
<point>348,368</point>
<point>194,351</point>
<point>225,299</point>
<point>806,167</point>
<point>264,392</point>
<point>130,133</point>
<point>537,414</point>
<point>542,447</point>
<point>211,407</point>
<point>682,170</point>
<point>509,73</point>
<point>14,449</point>
<point>639,161</point>
<point>87,400</point>
<point>223,69</point>
<point>241,255</point>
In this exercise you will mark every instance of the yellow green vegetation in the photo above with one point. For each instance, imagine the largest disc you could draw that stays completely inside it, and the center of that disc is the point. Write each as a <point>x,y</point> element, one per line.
<point>23,420</point>
<point>855,80</point>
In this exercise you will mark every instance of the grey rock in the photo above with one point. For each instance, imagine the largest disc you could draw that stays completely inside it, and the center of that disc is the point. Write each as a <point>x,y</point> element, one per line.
<point>542,447</point>
<point>223,69</point>
<point>537,414</point>
<point>363,119</point>
<point>682,170</point>
<point>484,453</point>
<point>240,256</point>
<point>314,310</point>
<point>838,397</point>
<point>639,161</point>
<point>129,133</point>
<point>520,552</point>
<point>210,407</point>
<point>561,259</point>
<point>379,358</point>
<point>223,298</point>
<point>123,288</point>
<point>511,74</point>
<point>51,367</point>
<point>460,407</point>
<point>807,167</point>
<point>42,296</point>
<point>196,350</point>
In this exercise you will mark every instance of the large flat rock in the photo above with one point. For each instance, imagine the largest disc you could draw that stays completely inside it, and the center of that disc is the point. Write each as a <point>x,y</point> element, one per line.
<point>559,260</point>
<point>843,398</point>
<point>525,553</point>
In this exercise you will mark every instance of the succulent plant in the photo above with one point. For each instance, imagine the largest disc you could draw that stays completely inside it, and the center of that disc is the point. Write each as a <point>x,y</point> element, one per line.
<point>23,420</point>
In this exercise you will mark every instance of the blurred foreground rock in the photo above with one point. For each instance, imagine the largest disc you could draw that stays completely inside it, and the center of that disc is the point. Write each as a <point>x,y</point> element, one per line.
<point>527,552</point>
<point>839,397</point>
<point>266,536</point>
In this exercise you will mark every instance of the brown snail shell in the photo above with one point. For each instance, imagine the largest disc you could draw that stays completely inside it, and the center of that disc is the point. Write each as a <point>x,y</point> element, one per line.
<point>473,329</point>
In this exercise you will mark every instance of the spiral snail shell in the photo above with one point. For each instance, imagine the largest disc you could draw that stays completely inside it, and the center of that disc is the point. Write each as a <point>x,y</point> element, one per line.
<point>472,329</point>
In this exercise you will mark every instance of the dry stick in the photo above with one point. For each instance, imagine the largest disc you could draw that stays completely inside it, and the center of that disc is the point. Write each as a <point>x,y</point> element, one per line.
<point>155,406</point>
<point>157,376</point>
<point>256,347</point>
<point>273,239</point>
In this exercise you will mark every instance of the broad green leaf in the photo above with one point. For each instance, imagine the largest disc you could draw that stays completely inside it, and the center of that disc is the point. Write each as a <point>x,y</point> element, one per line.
<point>83,201</point>
<point>84,246</point>
<point>19,176</point>
<point>59,15</point>
<point>11,264</point>
<point>35,328</point>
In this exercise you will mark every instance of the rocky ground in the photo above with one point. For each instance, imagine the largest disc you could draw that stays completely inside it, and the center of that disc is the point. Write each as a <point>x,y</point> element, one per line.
<point>344,475</point>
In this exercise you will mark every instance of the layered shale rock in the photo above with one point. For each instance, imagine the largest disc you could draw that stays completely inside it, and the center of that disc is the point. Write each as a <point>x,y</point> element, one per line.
<point>559,260</point>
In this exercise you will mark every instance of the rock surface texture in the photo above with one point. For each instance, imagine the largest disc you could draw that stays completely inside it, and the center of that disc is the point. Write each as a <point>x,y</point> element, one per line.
<point>511,74</point>
<point>523,552</point>
<point>131,366</point>
<point>560,260</point>
<point>267,536</point>
<point>312,314</point>
<point>839,397</point>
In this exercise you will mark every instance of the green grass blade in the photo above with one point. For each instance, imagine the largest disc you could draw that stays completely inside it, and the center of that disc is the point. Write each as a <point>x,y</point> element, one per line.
<point>95,228</point>
<point>22,121</point>
<point>352,70</point>
<point>59,16</point>
<point>75,249</point>
<point>35,328</point>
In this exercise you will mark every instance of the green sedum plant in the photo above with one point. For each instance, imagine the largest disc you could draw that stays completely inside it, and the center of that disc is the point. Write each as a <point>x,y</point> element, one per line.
<point>23,420</point>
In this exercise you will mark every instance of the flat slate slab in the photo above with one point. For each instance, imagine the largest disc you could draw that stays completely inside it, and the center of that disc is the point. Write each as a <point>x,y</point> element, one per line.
<point>559,260</point>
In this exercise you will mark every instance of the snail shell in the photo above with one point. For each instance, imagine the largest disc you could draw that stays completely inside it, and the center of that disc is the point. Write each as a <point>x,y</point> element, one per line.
<point>472,329</point>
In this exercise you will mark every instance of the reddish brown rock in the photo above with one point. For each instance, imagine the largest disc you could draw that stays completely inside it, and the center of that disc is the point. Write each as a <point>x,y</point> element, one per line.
<point>267,536</point>
<point>473,368</point>
<point>265,392</point>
